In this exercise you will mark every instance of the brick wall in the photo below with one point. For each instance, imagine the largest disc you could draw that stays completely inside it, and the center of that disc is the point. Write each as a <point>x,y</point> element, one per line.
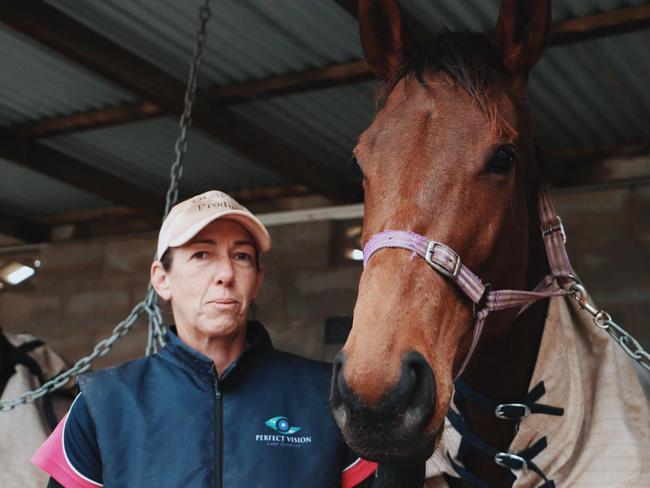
<point>85,288</point>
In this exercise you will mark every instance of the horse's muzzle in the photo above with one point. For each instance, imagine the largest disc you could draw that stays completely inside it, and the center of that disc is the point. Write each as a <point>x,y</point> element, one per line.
<point>393,430</point>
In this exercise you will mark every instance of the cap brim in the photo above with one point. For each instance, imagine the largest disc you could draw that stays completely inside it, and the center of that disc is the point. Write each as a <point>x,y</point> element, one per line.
<point>249,221</point>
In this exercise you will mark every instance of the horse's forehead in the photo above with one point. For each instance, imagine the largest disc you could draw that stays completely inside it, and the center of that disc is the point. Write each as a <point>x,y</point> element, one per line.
<point>441,101</point>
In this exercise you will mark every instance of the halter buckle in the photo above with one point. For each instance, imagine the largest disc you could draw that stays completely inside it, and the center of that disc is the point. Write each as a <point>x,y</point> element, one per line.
<point>453,261</point>
<point>555,228</point>
<point>512,411</point>
<point>510,461</point>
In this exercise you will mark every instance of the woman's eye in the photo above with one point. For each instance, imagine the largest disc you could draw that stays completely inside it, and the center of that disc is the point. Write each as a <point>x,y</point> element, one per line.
<point>503,160</point>
<point>200,255</point>
<point>242,256</point>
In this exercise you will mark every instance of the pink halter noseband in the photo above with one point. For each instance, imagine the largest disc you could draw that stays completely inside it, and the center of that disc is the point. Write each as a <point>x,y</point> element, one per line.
<point>446,262</point>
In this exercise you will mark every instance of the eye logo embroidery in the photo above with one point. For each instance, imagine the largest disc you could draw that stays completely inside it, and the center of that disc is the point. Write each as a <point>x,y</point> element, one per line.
<point>281,424</point>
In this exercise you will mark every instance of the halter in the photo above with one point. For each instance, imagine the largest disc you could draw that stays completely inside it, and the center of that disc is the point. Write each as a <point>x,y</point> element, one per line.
<point>445,261</point>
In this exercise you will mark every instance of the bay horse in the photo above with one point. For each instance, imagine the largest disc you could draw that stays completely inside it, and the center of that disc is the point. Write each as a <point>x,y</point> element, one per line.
<point>450,156</point>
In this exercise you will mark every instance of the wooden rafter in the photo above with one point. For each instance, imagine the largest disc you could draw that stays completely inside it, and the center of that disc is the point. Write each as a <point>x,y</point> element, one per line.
<point>23,229</point>
<point>93,119</point>
<point>602,151</point>
<point>42,159</point>
<point>573,30</point>
<point>77,42</point>
<point>614,22</point>
<point>311,79</point>
<point>105,221</point>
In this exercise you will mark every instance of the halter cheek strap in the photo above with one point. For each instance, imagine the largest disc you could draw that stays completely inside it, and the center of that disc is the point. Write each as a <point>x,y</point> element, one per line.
<point>445,261</point>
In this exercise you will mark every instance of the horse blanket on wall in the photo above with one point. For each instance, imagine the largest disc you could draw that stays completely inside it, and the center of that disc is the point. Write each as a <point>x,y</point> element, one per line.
<point>24,429</point>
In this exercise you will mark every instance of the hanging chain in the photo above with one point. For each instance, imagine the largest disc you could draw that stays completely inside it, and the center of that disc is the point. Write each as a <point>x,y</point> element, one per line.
<point>156,327</point>
<point>149,305</point>
<point>186,118</point>
<point>604,321</point>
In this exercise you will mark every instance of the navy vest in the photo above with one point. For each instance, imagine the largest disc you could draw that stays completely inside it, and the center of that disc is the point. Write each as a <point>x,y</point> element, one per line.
<point>168,421</point>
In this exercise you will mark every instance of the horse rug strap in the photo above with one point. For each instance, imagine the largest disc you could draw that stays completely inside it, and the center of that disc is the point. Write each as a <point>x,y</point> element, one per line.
<point>447,262</point>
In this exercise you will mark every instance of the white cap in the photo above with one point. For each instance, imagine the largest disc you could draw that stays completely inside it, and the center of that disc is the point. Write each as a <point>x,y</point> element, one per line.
<point>186,219</point>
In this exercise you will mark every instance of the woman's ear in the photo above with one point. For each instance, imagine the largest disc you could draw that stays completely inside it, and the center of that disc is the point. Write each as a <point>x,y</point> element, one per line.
<point>160,281</point>
<point>385,42</point>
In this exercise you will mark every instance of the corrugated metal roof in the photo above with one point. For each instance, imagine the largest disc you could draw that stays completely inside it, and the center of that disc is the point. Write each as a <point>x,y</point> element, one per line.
<point>593,92</point>
<point>37,83</point>
<point>323,124</point>
<point>247,39</point>
<point>25,192</point>
<point>582,94</point>
<point>143,152</point>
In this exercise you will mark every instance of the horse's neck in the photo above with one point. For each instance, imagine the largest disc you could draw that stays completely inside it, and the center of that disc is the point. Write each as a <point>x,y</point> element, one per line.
<point>502,369</point>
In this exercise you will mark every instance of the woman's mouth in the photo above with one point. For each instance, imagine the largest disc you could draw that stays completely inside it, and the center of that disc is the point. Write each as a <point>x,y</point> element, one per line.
<point>224,302</point>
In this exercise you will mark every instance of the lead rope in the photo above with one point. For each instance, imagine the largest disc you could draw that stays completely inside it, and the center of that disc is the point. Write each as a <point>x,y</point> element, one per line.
<point>149,305</point>
<point>555,240</point>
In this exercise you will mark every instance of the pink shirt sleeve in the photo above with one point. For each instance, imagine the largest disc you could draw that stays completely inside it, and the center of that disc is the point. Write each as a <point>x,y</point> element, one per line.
<point>52,459</point>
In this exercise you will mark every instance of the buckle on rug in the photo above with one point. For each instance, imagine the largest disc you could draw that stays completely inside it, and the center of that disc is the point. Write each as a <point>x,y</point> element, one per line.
<point>510,461</point>
<point>451,267</point>
<point>512,411</point>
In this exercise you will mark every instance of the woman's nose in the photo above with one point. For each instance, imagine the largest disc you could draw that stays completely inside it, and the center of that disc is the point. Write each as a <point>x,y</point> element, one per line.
<point>224,273</point>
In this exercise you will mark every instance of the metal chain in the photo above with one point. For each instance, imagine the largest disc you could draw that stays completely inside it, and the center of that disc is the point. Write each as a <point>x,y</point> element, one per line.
<point>604,321</point>
<point>149,305</point>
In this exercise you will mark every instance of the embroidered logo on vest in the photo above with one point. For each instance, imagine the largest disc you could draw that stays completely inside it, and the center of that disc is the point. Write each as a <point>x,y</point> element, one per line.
<point>285,434</point>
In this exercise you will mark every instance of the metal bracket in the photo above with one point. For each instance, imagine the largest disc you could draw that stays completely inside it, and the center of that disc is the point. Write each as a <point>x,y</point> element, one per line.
<point>512,411</point>
<point>510,461</point>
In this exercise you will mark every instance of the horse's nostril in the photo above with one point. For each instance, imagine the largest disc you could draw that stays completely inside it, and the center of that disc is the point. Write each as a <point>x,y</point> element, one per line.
<point>415,389</point>
<point>420,402</point>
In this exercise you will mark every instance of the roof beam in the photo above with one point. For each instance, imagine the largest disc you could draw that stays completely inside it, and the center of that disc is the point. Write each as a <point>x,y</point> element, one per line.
<point>23,229</point>
<point>93,119</point>
<point>602,151</point>
<point>617,164</point>
<point>77,42</point>
<point>42,159</point>
<point>605,24</point>
<point>98,222</point>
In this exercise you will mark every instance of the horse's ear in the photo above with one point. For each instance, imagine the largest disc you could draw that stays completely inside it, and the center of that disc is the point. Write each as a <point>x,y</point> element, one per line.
<point>383,37</point>
<point>521,34</point>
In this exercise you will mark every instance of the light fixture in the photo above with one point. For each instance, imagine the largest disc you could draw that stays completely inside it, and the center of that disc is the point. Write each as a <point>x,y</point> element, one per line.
<point>354,254</point>
<point>15,273</point>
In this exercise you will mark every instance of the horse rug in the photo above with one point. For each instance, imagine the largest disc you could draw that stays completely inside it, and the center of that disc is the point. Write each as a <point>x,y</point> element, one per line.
<point>603,438</point>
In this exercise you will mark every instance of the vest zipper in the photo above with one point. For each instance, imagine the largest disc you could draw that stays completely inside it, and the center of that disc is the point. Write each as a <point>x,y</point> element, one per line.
<point>218,434</point>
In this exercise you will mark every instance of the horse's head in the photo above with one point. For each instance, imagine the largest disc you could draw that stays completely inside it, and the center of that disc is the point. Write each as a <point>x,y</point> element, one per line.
<point>450,156</point>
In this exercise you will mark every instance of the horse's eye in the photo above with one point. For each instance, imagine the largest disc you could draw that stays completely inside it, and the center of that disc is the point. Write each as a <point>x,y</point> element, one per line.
<point>503,160</point>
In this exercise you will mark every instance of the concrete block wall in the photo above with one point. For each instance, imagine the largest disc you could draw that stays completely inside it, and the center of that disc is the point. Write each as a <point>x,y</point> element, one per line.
<point>86,287</point>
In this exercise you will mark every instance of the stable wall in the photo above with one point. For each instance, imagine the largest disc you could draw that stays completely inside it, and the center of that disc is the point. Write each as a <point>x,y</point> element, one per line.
<point>86,287</point>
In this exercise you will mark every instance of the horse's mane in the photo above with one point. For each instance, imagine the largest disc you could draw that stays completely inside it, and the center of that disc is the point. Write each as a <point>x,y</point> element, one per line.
<point>468,58</point>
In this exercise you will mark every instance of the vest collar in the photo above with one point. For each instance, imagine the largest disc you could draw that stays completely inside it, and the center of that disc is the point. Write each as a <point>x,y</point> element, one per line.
<point>177,351</point>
